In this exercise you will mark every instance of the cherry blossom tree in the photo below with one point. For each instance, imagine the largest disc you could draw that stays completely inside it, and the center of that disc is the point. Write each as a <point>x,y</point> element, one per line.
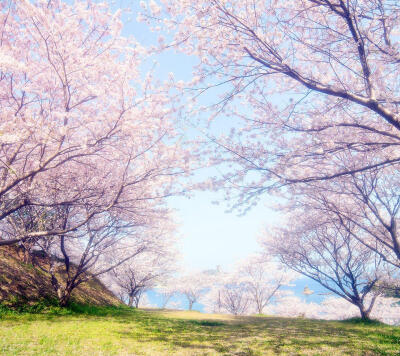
<point>234,298</point>
<point>227,294</point>
<point>293,306</point>
<point>82,129</point>
<point>193,286</point>
<point>311,79</point>
<point>370,201</point>
<point>99,248</point>
<point>166,291</point>
<point>263,280</point>
<point>89,149</point>
<point>325,251</point>
<point>70,262</point>
<point>387,310</point>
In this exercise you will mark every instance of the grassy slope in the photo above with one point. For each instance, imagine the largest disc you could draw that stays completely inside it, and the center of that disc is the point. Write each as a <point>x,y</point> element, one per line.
<point>121,331</point>
<point>22,283</point>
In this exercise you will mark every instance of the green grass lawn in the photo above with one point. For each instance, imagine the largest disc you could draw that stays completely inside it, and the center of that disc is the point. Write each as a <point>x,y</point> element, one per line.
<point>122,331</point>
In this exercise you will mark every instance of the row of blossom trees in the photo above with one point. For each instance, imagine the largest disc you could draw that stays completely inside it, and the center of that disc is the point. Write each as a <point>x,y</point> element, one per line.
<point>255,286</point>
<point>252,285</point>
<point>88,145</point>
<point>248,288</point>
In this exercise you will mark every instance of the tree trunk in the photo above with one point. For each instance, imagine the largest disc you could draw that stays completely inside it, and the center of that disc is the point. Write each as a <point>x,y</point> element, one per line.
<point>27,256</point>
<point>61,293</point>
<point>364,313</point>
<point>130,301</point>
<point>259,307</point>
<point>190,305</point>
<point>64,295</point>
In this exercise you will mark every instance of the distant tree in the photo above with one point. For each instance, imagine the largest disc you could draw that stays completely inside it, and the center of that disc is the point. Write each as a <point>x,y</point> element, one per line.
<point>335,308</point>
<point>263,280</point>
<point>249,287</point>
<point>293,306</point>
<point>133,284</point>
<point>193,286</point>
<point>155,265</point>
<point>226,294</point>
<point>166,290</point>
<point>234,298</point>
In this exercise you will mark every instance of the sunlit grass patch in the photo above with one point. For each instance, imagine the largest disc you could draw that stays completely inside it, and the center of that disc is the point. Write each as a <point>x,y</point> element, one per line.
<point>85,330</point>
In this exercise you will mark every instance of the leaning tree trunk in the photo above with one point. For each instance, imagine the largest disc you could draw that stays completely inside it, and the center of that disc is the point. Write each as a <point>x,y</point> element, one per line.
<point>63,293</point>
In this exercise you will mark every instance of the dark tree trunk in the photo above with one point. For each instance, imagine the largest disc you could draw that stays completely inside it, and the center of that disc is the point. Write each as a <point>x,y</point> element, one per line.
<point>363,312</point>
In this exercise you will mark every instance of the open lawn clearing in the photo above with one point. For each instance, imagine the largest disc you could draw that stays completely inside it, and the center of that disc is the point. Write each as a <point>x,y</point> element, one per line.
<point>120,331</point>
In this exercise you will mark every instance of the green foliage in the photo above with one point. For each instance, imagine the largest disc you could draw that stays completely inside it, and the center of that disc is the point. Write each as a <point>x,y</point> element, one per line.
<point>20,306</point>
<point>17,306</point>
<point>96,310</point>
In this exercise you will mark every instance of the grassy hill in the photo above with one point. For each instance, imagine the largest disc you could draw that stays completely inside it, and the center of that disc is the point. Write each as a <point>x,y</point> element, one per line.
<point>22,283</point>
<point>123,331</point>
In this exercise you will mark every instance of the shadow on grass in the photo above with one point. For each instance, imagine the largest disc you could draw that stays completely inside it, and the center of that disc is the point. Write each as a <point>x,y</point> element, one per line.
<point>239,335</point>
<point>269,333</point>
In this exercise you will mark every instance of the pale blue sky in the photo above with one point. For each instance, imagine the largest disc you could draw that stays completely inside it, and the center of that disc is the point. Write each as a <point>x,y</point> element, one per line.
<point>214,237</point>
<point>210,236</point>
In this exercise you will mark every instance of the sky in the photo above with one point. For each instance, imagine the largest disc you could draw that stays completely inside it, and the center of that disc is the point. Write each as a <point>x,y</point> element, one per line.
<point>209,235</point>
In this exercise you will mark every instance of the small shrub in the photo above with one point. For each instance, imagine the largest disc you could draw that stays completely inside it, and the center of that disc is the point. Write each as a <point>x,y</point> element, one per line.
<point>5,310</point>
<point>18,305</point>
